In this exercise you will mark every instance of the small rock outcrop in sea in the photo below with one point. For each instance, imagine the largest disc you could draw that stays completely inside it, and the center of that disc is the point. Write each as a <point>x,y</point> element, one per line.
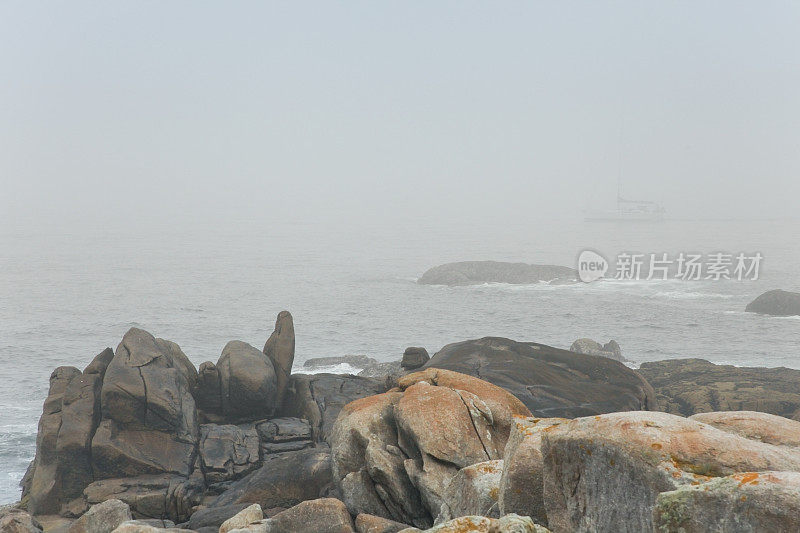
<point>689,386</point>
<point>551,382</point>
<point>358,361</point>
<point>777,303</point>
<point>414,357</point>
<point>479,272</point>
<point>611,349</point>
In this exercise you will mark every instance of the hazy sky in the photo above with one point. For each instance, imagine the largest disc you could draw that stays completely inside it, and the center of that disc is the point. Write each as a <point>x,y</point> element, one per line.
<point>156,112</point>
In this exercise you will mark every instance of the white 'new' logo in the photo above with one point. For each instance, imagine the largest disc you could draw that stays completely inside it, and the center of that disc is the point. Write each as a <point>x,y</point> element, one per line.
<point>591,266</point>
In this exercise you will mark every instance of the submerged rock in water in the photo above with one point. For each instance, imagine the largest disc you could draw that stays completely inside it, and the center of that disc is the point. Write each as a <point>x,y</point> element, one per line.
<point>551,382</point>
<point>358,361</point>
<point>690,386</point>
<point>479,272</point>
<point>777,303</point>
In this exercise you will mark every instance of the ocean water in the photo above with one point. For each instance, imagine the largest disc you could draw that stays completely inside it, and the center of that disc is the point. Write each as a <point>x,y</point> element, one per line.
<point>65,296</point>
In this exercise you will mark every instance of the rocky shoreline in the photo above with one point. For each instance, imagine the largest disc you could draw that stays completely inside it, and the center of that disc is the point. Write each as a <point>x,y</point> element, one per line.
<point>485,435</point>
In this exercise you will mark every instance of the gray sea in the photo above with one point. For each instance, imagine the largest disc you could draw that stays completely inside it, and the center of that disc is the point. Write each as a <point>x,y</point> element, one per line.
<point>66,296</point>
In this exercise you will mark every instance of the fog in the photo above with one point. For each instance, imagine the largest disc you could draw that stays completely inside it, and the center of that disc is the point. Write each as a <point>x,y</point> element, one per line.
<point>153,113</point>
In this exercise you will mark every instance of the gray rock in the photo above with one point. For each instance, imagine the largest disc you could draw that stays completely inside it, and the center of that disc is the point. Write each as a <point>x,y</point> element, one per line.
<point>474,490</point>
<point>366,523</point>
<point>280,350</point>
<point>752,501</point>
<point>284,434</point>
<point>243,518</point>
<point>318,398</point>
<point>161,496</point>
<point>549,381</point>
<point>228,452</point>
<point>149,421</point>
<point>776,303</point>
<point>18,521</point>
<point>209,393</point>
<point>103,517</point>
<point>521,483</point>
<point>248,383</point>
<point>762,427</point>
<point>214,516</point>
<point>690,386</point>
<point>324,515</point>
<point>604,473</point>
<point>479,272</point>
<point>284,480</point>
<point>610,349</point>
<point>507,524</point>
<point>45,486</point>
<point>383,371</point>
<point>414,357</point>
<point>144,526</point>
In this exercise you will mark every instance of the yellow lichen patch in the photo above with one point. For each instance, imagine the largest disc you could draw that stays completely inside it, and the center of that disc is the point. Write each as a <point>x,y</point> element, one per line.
<point>494,493</point>
<point>746,478</point>
<point>656,446</point>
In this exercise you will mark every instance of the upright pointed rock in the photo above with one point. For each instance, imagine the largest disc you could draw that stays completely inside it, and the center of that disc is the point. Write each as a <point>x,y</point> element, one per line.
<point>280,349</point>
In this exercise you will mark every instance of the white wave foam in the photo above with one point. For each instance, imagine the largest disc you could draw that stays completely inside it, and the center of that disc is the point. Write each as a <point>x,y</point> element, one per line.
<point>341,368</point>
<point>691,295</point>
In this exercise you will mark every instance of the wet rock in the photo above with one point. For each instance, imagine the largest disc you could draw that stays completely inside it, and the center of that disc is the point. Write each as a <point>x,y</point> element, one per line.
<point>521,483</point>
<point>749,501</point>
<point>763,427</point>
<point>243,518</point>
<point>104,517</point>
<point>228,452</point>
<point>318,398</point>
<point>689,386</point>
<point>414,357</point>
<point>604,473</point>
<point>610,349</point>
<point>474,490</point>
<point>776,303</point>
<point>480,272</point>
<point>367,523</point>
<point>157,496</point>
<point>395,453</point>
<point>549,381</point>
<point>280,350</point>
<point>284,480</point>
